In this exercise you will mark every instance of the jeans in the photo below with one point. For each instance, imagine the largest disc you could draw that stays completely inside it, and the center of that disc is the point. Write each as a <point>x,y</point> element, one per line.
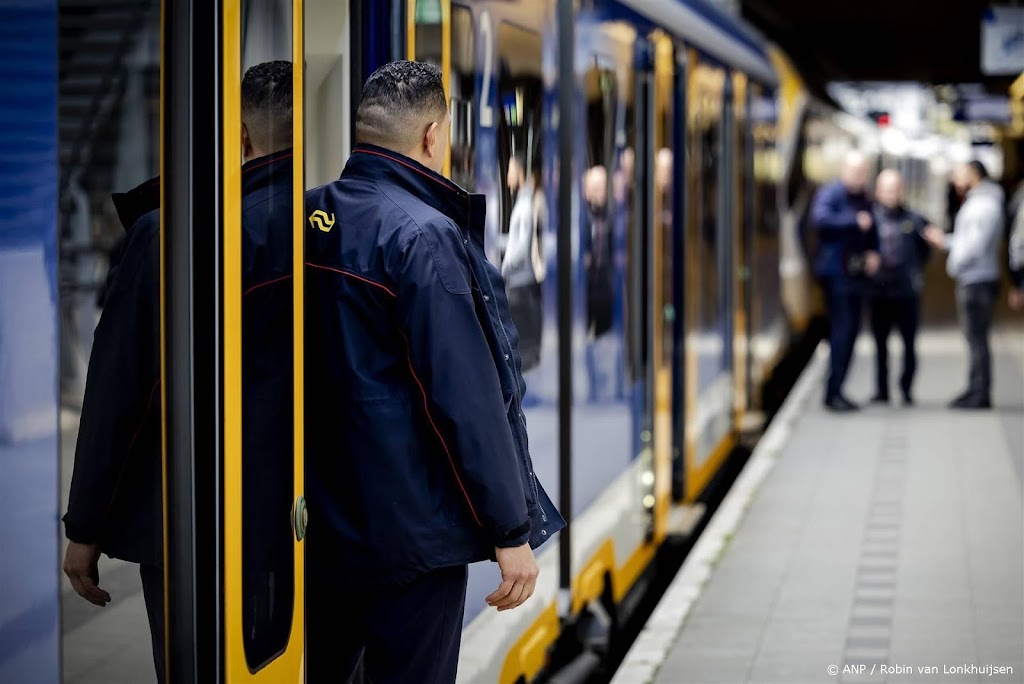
<point>975,303</point>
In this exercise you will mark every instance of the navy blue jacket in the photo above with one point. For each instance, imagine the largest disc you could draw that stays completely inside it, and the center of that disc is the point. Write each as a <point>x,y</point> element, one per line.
<point>841,243</point>
<point>116,499</point>
<point>416,451</point>
<point>905,277</point>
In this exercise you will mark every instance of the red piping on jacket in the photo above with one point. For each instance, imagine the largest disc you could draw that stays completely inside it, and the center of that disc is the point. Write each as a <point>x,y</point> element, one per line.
<point>352,275</point>
<point>423,392</point>
<point>445,183</point>
<point>430,418</point>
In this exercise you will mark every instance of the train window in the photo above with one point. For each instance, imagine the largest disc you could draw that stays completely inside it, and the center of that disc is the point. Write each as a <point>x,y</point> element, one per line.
<point>707,93</point>
<point>463,74</point>
<point>108,70</point>
<point>428,18</point>
<point>602,92</point>
<point>765,217</point>
<point>523,203</point>
<point>664,184</point>
<point>267,413</point>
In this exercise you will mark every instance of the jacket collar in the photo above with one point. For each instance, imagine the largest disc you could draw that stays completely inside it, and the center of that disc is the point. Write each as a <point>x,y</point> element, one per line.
<point>263,171</point>
<point>134,204</point>
<point>379,164</point>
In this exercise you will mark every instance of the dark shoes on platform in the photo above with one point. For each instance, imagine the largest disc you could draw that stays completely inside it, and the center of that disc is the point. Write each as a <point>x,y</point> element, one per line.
<point>972,400</point>
<point>840,404</point>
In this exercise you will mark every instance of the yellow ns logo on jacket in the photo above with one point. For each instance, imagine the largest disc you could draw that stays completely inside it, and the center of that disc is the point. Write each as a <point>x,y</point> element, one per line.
<point>320,219</point>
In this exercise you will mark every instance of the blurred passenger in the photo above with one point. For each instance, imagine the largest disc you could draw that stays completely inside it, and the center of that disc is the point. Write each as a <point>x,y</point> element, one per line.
<point>116,502</point>
<point>847,255</point>
<point>974,263</point>
<point>523,267</point>
<point>895,289</point>
<point>417,458</point>
<point>597,252</point>
<point>1016,296</point>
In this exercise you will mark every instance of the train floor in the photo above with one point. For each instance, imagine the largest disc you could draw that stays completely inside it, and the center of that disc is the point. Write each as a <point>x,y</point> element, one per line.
<point>880,546</point>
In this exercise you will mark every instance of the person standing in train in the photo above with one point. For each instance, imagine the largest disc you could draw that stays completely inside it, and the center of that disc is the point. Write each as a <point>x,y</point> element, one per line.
<point>973,262</point>
<point>116,502</point>
<point>895,289</point>
<point>417,454</point>
<point>847,255</point>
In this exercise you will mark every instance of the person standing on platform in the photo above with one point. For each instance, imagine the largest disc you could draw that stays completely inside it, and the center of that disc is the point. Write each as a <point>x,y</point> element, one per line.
<point>417,459</point>
<point>895,290</point>
<point>974,263</point>
<point>847,254</point>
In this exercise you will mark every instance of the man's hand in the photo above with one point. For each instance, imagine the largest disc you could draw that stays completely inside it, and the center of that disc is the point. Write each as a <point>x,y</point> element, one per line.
<point>519,572</point>
<point>871,263</point>
<point>935,236</point>
<point>1016,298</point>
<point>81,565</point>
<point>864,221</point>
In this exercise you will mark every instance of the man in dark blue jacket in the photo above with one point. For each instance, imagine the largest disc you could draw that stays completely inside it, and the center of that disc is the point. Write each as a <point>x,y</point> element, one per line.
<point>417,455</point>
<point>847,241</point>
<point>116,504</point>
<point>895,289</point>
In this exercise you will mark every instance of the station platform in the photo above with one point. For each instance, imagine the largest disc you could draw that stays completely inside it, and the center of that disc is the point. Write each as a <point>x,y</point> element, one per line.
<point>885,545</point>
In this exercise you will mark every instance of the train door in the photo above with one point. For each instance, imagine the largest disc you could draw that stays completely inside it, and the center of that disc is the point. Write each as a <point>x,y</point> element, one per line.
<point>232,323</point>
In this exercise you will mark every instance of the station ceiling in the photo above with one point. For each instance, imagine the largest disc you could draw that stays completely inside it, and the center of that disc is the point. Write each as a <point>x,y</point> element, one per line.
<point>930,41</point>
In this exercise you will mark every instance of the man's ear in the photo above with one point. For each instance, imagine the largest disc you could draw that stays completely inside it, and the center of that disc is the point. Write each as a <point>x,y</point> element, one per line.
<point>430,140</point>
<point>246,143</point>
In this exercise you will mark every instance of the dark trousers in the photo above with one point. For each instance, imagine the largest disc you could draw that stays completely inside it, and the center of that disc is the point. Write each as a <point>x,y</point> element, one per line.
<point>407,633</point>
<point>153,593</point>
<point>904,313</point>
<point>844,302</point>
<point>975,303</point>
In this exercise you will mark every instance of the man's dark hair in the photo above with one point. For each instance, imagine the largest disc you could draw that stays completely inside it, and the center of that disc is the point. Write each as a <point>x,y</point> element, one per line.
<point>400,99</point>
<point>979,169</point>
<point>267,105</point>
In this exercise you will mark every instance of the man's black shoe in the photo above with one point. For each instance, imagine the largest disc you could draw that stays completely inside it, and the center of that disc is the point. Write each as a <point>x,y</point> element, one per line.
<point>840,404</point>
<point>880,399</point>
<point>973,401</point>
<point>908,400</point>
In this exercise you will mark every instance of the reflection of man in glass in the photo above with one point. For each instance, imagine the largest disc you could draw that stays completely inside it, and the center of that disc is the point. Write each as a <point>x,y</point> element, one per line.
<point>523,267</point>
<point>116,505</point>
<point>597,252</point>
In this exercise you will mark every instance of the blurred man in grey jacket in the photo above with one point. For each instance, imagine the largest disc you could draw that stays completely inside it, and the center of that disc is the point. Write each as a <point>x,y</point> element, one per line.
<point>973,261</point>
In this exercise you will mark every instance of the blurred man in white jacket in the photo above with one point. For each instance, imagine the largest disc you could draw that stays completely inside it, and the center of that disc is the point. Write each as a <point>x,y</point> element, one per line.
<point>974,263</point>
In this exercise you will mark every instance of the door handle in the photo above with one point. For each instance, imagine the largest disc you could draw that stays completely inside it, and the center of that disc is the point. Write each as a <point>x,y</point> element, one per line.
<point>300,518</point>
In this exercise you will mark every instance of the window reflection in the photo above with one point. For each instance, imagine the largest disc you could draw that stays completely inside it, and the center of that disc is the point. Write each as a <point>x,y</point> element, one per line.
<point>267,338</point>
<point>524,206</point>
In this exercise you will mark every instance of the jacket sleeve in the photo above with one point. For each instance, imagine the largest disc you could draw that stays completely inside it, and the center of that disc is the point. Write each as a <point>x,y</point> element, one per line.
<point>830,214</point>
<point>121,386</point>
<point>455,369</point>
